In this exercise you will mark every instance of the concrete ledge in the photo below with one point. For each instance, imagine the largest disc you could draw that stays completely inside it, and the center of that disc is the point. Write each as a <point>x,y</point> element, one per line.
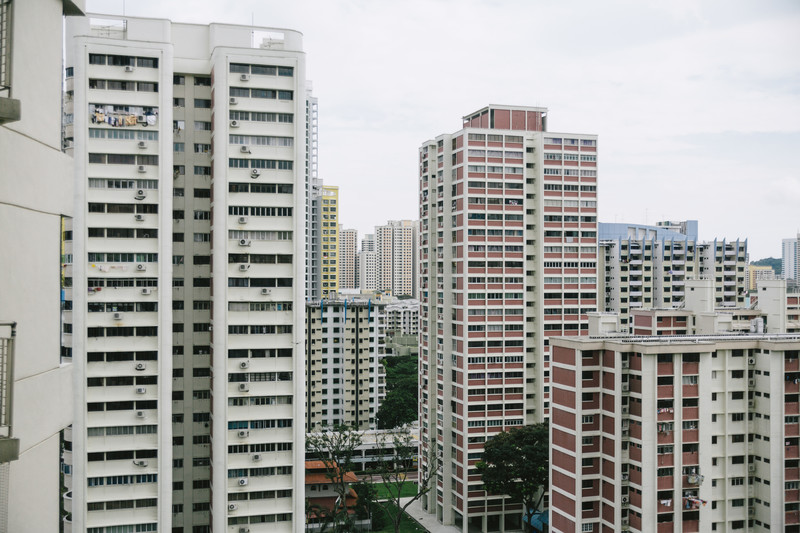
<point>10,110</point>
<point>9,450</point>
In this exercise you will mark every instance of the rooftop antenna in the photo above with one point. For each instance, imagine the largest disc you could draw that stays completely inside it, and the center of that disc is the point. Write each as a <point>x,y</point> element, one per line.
<point>123,8</point>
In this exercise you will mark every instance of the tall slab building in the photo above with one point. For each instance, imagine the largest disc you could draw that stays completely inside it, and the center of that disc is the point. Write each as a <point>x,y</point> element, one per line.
<point>507,259</point>
<point>191,152</point>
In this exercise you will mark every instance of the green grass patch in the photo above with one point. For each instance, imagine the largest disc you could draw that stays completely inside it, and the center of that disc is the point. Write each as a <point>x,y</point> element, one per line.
<point>407,525</point>
<point>385,491</point>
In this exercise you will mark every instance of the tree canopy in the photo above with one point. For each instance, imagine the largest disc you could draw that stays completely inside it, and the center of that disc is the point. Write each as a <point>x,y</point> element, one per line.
<point>516,463</point>
<point>400,405</point>
<point>774,262</point>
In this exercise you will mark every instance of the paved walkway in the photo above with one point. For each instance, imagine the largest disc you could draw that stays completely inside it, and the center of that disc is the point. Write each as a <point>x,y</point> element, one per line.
<point>428,521</point>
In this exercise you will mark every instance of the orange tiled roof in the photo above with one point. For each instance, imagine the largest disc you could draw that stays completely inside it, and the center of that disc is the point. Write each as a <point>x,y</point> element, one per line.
<point>319,478</point>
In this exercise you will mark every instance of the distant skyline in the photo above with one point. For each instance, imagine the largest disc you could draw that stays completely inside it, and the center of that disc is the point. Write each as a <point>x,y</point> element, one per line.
<point>696,103</point>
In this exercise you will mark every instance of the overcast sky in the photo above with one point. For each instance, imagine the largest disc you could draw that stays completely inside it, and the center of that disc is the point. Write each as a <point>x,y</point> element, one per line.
<point>696,103</point>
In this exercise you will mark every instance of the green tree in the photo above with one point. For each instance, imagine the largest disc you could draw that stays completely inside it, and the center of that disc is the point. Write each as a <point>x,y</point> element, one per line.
<point>400,405</point>
<point>516,463</point>
<point>393,468</point>
<point>335,447</point>
<point>367,495</point>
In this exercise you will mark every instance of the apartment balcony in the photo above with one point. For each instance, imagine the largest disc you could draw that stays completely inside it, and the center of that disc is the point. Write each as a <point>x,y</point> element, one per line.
<point>792,452</point>
<point>9,446</point>
<point>68,502</point>
<point>666,527</point>
<point>691,526</point>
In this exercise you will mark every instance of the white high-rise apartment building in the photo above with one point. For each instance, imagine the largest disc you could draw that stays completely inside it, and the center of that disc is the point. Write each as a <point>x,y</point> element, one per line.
<point>348,254</point>
<point>313,198</point>
<point>35,196</point>
<point>508,258</point>
<point>367,280</point>
<point>395,256</point>
<point>368,243</point>
<point>190,149</point>
<point>790,258</point>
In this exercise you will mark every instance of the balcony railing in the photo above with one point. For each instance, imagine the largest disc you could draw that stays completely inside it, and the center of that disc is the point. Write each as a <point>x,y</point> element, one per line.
<point>9,446</point>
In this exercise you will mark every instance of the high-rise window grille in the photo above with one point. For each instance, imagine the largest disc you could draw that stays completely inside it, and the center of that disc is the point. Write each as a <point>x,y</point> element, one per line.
<point>5,47</point>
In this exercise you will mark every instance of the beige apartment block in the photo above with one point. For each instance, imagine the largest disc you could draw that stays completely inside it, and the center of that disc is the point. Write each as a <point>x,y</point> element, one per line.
<point>344,342</point>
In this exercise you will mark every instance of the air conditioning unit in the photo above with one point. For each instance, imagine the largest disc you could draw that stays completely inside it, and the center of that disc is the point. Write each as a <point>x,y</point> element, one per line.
<point>232,506</point>
<point>139,414</point>
<point>139,218</point>
<point>146,291</point>
<point>244,530</point>
<point>626,364</point>
<point>624,477</point>
<point>751,511</point>
<point>255,173</point>
<point>242,433</point>
<point>234,124</point>
<point>256,457</point>
<point>142,144</point>
<point>142,169</point>
<point>266,291</point>
<point>243,481</point>
<point>129,68</point>
<point>141,267</point>
<point>244,268</point>
<point>140,462</point>
<point>141,194</point>
<point>117,316</point>
<point>751,361</point>
<point>751,404</point>
<point>751,382</point>
<point>141,118</point>
<point>141,390</point>
<point>244,242</point>
<point>245,77</point>
<point>244,364</point>
<point>245,149</point>
<point>624,501</point>
<point>626,387</point>
<point>233,100</point>
<point>242,220</point>
<point>624,409</point>
<point>244,387</point>
<point>140,366</point>
<point>751,468</point>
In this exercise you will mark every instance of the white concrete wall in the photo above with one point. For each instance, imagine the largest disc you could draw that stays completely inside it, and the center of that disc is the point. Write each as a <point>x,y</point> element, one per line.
<point>35,192</point>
